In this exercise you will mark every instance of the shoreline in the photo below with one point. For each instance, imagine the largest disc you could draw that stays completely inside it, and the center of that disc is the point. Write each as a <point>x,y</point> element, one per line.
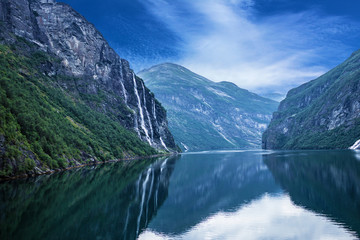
<point>51,171</point>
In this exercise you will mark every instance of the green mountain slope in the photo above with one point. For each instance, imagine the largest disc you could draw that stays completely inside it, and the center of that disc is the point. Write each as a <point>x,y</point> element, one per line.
<point>321,114</point>
<point>43,127</point>
<point>205,115</point>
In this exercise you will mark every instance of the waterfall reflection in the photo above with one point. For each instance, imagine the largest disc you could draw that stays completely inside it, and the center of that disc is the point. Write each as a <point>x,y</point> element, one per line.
<point>112,201</point>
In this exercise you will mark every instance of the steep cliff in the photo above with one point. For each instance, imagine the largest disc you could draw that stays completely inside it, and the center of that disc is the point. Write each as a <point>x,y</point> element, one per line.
<point>321,114</point>
<point>72,58</point>
<point>205,115</point>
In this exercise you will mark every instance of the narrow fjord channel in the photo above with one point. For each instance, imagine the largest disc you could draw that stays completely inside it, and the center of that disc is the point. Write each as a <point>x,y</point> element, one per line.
<point>207,195</point>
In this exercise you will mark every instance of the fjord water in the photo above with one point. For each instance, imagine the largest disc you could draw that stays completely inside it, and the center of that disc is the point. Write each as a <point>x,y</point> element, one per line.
<point>208,195</point>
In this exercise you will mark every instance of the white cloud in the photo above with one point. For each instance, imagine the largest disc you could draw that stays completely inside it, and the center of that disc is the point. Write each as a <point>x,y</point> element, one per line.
<point>224,41</point>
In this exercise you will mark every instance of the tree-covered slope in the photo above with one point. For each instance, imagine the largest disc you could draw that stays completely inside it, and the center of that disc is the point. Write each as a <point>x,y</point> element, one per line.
<point>43,127</point>
<point>205,115</point>
<point>321,114</point>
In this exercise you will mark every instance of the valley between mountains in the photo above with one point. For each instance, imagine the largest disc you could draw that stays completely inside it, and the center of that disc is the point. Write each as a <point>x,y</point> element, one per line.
<point>68,99</point>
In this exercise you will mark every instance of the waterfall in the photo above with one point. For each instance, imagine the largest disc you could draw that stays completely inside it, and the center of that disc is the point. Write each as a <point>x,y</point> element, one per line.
<point>147,113</point>
<point>162,143</point>
<point>142,121</point>
<point>124,91</point>
<point>142,199</point>
<point>136,125</point>
<point>122,84</point>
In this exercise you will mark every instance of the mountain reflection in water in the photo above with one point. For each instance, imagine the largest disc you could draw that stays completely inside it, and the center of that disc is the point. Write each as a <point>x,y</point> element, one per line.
<point>325,182</point>
<point>239,195</point>
<point>208,195</point>
<point>111,201</point>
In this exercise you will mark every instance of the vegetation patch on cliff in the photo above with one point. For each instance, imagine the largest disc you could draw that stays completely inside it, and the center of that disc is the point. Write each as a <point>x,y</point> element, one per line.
<point>44,127</point>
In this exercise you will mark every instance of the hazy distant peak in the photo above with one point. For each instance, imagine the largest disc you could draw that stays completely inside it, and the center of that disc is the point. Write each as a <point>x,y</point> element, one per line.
<point>174,71</point>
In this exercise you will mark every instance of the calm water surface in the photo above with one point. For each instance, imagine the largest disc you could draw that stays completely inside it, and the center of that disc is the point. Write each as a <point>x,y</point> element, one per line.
<point>208,195</point>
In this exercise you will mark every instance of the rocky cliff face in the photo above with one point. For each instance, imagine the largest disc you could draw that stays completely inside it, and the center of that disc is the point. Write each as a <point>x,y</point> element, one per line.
<point>321,114</point>
<point>89,68</point>
<point>206,115</point>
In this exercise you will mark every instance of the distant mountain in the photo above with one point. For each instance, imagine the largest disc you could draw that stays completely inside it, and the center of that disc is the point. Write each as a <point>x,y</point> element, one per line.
<point>321,114</point>
<point>66,97</point>
<point>205,115</point>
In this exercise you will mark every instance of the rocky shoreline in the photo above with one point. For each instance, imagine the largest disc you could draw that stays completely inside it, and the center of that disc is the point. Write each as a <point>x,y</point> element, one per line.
<point>51,171</point>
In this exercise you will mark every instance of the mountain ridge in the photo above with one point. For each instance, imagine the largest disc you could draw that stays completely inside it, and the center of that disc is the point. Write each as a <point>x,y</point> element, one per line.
<point>205,115</point>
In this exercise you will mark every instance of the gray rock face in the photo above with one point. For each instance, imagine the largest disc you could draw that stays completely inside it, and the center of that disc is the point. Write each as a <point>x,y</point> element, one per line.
<point>321,114</point>
<point>88,59</point>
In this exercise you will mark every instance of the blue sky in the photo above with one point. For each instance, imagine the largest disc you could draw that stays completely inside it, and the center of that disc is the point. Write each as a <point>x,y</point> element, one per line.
<point>261,45</point>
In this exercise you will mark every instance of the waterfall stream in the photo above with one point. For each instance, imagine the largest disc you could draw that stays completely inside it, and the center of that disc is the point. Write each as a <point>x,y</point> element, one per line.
<point>122,83</point>
<point>124,91</point>
<point>162,143</point>
<point>143,199</point>
<point>142,121</point>
<point>147,113</point>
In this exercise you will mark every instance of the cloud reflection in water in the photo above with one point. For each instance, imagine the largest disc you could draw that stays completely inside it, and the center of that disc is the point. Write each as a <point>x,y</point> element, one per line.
<point>270,217</point>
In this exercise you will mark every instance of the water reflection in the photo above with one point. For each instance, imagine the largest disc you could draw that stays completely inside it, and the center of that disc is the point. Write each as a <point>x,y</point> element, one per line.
<point>204,184</point>
<point>112,201</point>
<point>211,195</point>
<point>235,196</point>
<point>324,182</point>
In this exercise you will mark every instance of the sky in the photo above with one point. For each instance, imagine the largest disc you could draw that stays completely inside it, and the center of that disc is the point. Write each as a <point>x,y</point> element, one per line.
<point>261,45</point>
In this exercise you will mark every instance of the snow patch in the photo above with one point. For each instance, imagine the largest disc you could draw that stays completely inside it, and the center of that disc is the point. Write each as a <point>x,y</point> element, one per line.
<point>220,93</point>
<point>218,128</point>
<point>185,146</point>
<point>356,145</point>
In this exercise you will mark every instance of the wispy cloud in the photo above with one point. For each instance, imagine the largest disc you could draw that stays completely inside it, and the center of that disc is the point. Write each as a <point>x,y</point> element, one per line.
<point>226,40</point>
